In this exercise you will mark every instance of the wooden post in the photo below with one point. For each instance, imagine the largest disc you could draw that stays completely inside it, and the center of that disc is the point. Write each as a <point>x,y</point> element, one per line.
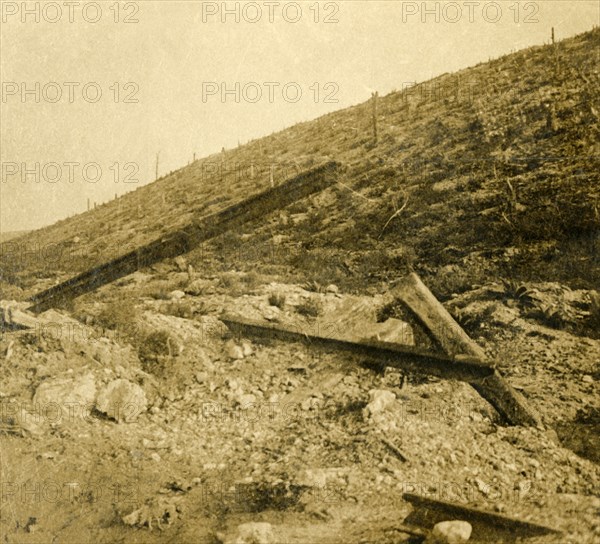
<point>448,334</point>
<point>156,169</point>
<point>375,95</point>
<point>222,162</point>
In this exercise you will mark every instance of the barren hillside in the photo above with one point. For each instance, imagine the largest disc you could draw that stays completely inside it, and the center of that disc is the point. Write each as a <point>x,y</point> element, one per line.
<point>133,414</point>
<point>498,163</point>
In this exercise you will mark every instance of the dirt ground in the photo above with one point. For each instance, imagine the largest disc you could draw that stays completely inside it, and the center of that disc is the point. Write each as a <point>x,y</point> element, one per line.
<point>231,430</point>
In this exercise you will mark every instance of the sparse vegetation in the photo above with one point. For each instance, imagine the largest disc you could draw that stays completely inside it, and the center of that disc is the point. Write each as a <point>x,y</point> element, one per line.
<point>277,300</point>
<point>181,308</point>
<point>120,315</point>
<point>310,308</point>
<point>155,349</point>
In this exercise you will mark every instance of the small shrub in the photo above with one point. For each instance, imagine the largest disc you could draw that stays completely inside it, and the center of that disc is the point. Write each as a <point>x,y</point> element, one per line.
<point>515,291</point>
<point>160,294</point>
<point>155,348</point>
<point>252,280</point>
<point>182,309</point>
<point>313,286</point>
<point>118,315</point>
<point>310,308</point>
<point>278,300</point>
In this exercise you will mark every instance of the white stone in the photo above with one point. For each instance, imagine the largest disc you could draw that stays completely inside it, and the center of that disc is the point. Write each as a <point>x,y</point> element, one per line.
<point>450,532</point>
<point>176,295</point>
<point>61,399</point>
<point>122,400</point>
<point>233,350</point>
<point>380,401</point>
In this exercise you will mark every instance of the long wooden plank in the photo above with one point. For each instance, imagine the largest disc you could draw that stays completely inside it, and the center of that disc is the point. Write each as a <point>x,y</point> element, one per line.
<point>455,342</point>
<point>394,355</point>
<point>453,510</point>
<point>186,239</point>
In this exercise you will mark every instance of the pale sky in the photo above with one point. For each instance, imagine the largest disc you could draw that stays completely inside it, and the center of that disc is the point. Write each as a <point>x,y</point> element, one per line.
<point>166,58</point>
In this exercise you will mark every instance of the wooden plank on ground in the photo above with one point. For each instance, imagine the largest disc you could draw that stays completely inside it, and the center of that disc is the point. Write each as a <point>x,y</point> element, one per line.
<point>476,516</point>
<point>394,355</point>
<point>184,240</point>
<point>455,342</point>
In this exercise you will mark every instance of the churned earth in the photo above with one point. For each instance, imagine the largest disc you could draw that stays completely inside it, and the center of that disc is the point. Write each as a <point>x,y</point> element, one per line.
<point>136,416</point>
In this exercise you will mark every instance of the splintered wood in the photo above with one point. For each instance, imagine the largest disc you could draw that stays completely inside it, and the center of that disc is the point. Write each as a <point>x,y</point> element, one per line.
<point>455,342</point>
<point>464,359</point>
<point>486,525</point>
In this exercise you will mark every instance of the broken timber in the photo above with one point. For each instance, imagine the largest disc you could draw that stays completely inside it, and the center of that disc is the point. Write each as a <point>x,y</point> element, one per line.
<point>184,240</point>
<point>393,355</point>
<point>480,519</point>
<point>455,342</point>
<point>463,357</point>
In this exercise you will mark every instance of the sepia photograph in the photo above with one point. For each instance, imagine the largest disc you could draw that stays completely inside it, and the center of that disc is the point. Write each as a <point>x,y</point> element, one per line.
<point>300,272</point>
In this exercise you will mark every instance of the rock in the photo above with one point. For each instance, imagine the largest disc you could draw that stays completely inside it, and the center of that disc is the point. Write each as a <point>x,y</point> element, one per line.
<point>61,399</point>
<point>380,401</point>
<point>246,400</point>
<point>176,295</point>
<point>181,263</point>
<point>331,288</point>
<point>234,351</point>
<point>247,348</point>
<point>271,313</point>
<point>253,533</point>
<point>122,400</point>
<point>450,532</point>
<point>587,379</point>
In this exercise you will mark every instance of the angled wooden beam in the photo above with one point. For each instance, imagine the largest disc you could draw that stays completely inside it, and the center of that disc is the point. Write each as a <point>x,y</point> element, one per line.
<point>445,331</point>
<point>394,355</point>
<point>184,240</point>
<point>479,518</point>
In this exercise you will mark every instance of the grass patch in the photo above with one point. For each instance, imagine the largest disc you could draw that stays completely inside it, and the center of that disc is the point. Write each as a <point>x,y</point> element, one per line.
<point>310,308</point>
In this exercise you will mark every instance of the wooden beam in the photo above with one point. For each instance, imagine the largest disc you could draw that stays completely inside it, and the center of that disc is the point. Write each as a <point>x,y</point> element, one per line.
<point>186,239</point>
<point>445,331</point>
<point>394,355</point>
<point>451,510</point>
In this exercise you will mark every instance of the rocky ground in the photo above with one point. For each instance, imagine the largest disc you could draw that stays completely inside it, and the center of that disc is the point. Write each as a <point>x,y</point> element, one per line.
<point>136,416</point>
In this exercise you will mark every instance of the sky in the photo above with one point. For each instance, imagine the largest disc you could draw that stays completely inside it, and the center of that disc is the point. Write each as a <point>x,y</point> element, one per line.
<point>93,91</point>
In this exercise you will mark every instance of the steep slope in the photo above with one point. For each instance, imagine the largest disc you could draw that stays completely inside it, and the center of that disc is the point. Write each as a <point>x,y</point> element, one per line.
<point>494,169</point>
